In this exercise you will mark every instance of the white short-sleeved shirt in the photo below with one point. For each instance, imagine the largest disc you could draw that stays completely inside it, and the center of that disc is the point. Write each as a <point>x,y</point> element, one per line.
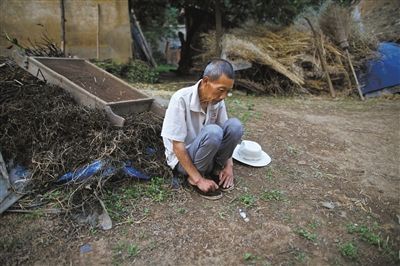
<point>185,118</point>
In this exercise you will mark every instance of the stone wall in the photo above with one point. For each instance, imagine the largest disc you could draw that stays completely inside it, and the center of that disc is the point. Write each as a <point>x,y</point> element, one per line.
<point>29,19</point>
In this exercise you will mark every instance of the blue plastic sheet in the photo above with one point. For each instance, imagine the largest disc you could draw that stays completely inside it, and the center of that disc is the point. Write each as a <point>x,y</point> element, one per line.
<point>384,71</point>
<point>135,173</point>
<point>100,167</point>
<point>82,173</point>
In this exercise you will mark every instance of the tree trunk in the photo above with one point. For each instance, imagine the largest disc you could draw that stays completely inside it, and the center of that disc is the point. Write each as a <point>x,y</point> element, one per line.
<point>194,18</point>
<point>218,27</point>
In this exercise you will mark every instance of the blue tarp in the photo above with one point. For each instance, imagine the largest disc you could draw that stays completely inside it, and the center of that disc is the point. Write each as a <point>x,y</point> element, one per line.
<point>384,71</point>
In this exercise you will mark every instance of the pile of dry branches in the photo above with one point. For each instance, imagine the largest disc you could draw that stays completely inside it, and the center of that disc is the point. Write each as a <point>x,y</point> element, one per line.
<point>43,129</point>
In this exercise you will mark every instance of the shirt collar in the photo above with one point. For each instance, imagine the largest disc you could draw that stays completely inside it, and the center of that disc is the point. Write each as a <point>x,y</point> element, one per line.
<point>195,105</point>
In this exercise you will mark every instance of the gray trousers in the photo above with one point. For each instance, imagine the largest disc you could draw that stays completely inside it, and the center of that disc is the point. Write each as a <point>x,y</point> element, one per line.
<point>214,146</point>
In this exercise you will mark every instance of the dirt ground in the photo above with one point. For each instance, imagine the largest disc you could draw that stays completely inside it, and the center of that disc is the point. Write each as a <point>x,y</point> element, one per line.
<point>342,153</point>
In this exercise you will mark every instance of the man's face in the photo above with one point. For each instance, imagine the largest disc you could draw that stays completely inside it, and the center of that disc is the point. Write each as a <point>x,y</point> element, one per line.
<point>216,90</point>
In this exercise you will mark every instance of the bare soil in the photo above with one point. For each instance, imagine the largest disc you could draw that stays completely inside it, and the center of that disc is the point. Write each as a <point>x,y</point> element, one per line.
<point>92,80</point>
<point>343,152</point>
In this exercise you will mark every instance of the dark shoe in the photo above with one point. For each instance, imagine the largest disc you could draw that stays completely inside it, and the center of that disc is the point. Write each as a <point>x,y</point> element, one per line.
<point>210,195</point>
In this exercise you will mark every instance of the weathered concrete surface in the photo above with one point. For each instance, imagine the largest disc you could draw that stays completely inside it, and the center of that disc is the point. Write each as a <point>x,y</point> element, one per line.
<point>22,19</point>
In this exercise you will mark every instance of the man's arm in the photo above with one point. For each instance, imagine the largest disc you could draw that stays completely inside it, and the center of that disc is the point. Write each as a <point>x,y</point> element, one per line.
<point>195,177</point>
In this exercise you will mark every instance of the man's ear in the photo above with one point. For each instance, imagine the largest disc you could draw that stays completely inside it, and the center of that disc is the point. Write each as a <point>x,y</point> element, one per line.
<point>205,79</point>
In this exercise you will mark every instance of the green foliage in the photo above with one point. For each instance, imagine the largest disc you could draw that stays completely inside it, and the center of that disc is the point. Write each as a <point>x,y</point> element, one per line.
<point>138,71</point>
<point>156,190</point>
<point>248,256</point>
<point>158,19</point>
<point>306,234</point>
<point>133,250</point>
<point>134,71</point>
<point>349,250</point>
<point>248,200</point>
<point>365,233</point>
<point>276,195</point>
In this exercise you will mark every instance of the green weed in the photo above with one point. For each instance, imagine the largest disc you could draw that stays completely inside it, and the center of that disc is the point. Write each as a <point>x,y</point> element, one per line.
<point>306,234</point>
<point>349,250</point>
<point>268,174</point>
<point>313,224</point>
<point>155,190</point>
<point>276,195</point>
<point>132,250</point>
<point>293,151</point>
<point>247,256</point>
<point>181,210</point>
<point>248,200</point>
<point>365,233</point>
<point>301,256</point>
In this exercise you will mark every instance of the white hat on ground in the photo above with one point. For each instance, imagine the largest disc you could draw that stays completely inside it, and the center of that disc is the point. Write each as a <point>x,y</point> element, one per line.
<point>251,153</point>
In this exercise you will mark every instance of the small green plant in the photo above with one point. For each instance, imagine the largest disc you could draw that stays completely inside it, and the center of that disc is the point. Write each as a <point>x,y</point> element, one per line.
<point>292,150</point>
<point>365,233</point>
<point>349,250</point>
<point>181,210</point>
<point>132,250</point>
<point>314,224</point>
<point>306,234</point>
<point>155,190</point>
<point>276,195</point>
<point>248,256</point>
<point>268,174</point>
<point>248,200</point>
<point>301,256</point>
<point>115,205</point>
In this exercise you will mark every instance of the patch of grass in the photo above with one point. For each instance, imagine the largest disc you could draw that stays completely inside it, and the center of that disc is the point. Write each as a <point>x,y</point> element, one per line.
<point>268,174</point>
<point>248,256</point>
<point>248,200</point>
<point>181,210</point>
<point>251,258</point>
<point>292,150</point>
<point>115,205</point>
<point>301,256</point>
<point>276,195</point>
<point>156,191</point>
<point>349,250</point>
<point>34,215</point>
<point>314,224</point>
<point>306,234</point>
<point>368,235</point>
<point>243,108</point>
<point>132,250</point>
<point>124,250</point>
<point>365,233</point>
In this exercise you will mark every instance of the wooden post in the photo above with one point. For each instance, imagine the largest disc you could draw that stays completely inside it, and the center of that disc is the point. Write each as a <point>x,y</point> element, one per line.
<point>98,33</point>
<point>218,27</point>
<point>320,48</point>
<point>354,75</point>
<point>63,42</point>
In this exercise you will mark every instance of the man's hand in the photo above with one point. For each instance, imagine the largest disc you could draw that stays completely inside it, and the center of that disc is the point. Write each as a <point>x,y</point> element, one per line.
<point>204,184</point>
<point>226,175</point>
